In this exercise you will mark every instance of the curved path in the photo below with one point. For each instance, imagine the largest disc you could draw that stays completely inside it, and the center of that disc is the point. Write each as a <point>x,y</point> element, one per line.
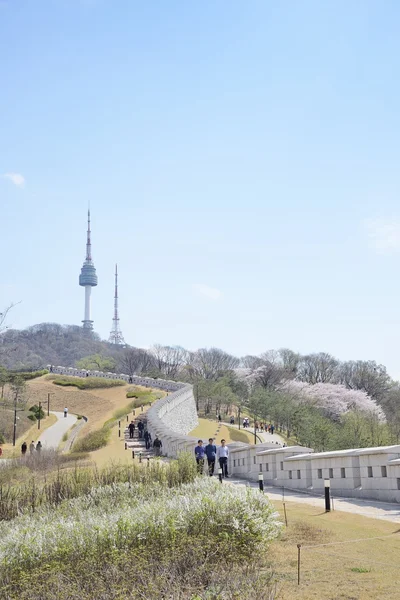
<point>52,436</point>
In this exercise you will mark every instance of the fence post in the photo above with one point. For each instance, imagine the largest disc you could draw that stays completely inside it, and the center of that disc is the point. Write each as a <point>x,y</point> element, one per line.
<point>126,446</point>
<point>133,454</point>
<point>298,563</point>
<point>284,510</point>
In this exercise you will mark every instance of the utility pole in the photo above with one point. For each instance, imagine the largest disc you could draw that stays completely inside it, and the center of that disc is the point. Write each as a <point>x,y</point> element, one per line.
<point>40,410</point>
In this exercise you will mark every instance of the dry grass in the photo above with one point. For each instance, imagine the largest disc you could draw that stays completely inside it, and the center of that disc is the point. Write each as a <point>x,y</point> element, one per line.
<point>207,428</point>
<point>363,570</point>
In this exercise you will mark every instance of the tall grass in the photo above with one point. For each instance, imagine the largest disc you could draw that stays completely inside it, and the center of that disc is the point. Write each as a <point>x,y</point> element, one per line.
<point>29,496</point>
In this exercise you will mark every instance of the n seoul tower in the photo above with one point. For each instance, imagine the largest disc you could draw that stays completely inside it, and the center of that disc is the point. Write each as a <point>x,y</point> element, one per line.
<point>88,278</point>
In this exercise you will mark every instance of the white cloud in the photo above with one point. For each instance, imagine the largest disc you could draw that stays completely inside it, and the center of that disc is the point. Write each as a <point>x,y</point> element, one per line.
<point>207,291</point>
<point>383,234</point>
<point>16,178</point>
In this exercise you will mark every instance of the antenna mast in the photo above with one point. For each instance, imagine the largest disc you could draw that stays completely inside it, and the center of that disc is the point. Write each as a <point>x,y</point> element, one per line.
<point>116,336</point>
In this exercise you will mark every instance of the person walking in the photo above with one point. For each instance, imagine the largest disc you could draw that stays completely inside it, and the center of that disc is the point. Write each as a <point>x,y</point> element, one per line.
<point>200,453</point>
<point>157,445</point>
<point>232,420</point>
<point>32,447</point>
<point>38,446</point>
<point>146,439</point>
<point>131,428</point>
<point>65,412</point>
<point>140,428</point>
<point>24,448</point>
<point>272,429</point>
<point>219,418</point>
<point>222,456</point>
<point>211,452</point>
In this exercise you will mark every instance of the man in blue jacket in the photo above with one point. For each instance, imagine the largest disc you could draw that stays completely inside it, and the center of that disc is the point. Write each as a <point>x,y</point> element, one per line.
<point>199,453</point>
<point>211,452</point>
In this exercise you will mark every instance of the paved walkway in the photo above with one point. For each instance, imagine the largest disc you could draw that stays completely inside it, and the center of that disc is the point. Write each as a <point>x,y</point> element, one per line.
<point>367,508</point>
<point>265,437</point>
<point>52,436</point>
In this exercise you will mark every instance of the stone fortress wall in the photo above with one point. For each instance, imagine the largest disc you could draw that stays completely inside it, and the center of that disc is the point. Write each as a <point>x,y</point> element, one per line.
<point>372,473</point>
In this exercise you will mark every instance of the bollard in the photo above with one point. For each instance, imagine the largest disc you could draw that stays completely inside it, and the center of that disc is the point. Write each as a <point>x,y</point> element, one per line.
<point>127,418</point>
<point>220,474</point>
<point>126,446</point>
<point>142,407</point>
<point>140,456</point>
<point>327,483</point>
<point>133,454</point>
<point>119,433</point>
<point>133,412</point>
<point>261,482</point>
<point>119,423</point>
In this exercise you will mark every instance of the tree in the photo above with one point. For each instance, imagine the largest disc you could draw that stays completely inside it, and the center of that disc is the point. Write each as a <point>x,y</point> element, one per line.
<point>97,362</point>
<point>211,363</point>
<point>317,368</point>
<point>365,375</point>
<point>169,360</point>
<point>135,360</point>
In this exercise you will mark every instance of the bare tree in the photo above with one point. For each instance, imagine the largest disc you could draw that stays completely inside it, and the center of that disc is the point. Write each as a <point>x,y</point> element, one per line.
<point>210,363</point>
<point>290,361</point>
<point>365,375</point>
<point>169,360</point>
<point>318,368</point>
<point>135,361</point>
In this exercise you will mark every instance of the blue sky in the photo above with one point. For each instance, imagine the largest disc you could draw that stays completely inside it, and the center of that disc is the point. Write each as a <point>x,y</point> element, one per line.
<point>241,161</point>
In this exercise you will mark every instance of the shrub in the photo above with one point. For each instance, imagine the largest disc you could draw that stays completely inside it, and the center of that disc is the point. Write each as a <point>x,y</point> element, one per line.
<point>2,440</point>
<point>87,383</point>
<point>27,375</point>
<point>93,440</point>
<point>32,418</point>
<point>151,519</point>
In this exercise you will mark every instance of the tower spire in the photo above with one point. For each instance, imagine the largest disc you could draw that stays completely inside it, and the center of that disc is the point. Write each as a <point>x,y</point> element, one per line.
<point>88,242</point>
<point>116,336</point>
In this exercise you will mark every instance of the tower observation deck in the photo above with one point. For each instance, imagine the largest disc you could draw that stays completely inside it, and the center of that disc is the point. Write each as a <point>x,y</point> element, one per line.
<point>88,278</point>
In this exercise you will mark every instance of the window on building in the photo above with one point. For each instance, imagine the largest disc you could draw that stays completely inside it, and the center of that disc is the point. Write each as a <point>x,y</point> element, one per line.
<point>370,473</point>
<point>398,483</point>
<point>290,475</point>
<point>298,474</point>
<point>330,473</point>
<point>267,467</point>
<point>343,473</point>
<point>254,459</point>
<point>282,466</point>
<point>319,473</point>
<point>261,468</point>
<point>384,471</point>
<point>234,462</point>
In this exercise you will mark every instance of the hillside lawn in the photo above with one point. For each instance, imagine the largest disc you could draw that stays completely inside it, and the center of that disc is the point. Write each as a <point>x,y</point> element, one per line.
<point>364,570</point>
<point>32,433</point>
<point>208,427</point>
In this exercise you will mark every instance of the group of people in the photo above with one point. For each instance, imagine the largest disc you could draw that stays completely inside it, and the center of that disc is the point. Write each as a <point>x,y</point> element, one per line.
<point>213,455</point>
<point>144,434</point>
<point>32,447</point>
<point>264,427</point>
